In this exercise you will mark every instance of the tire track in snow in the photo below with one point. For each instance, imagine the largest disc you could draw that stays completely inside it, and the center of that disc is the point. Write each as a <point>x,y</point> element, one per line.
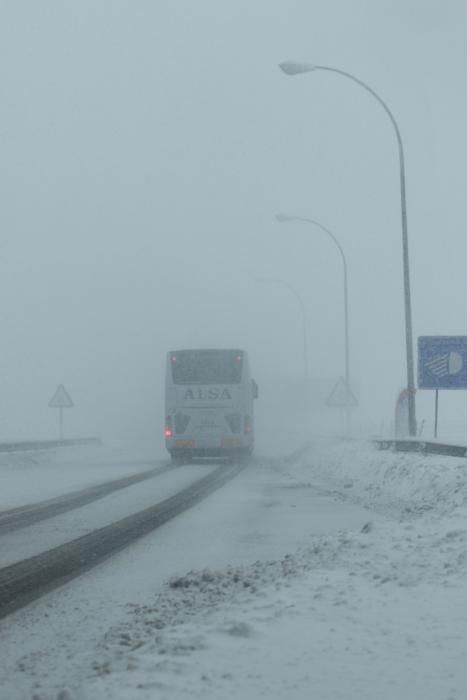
<point>27,580</point>
<point>23,516</point>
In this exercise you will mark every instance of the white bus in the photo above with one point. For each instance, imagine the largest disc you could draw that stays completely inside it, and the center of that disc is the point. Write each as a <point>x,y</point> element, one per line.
<point>209,404</point>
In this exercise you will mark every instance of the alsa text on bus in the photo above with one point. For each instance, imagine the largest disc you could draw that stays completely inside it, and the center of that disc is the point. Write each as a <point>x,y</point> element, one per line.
<point>212,393</point>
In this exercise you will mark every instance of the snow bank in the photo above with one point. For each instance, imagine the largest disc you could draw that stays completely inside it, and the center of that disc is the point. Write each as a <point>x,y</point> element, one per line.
<point>394,481</point>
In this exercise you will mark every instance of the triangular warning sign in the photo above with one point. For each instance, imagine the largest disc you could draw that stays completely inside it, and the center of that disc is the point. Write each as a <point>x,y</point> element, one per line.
<point>341,395</point>
<point>61,398</point>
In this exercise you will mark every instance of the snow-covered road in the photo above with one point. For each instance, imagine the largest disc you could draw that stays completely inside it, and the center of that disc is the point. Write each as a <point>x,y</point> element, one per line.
<point>341,575</point>
<point>55,531</point>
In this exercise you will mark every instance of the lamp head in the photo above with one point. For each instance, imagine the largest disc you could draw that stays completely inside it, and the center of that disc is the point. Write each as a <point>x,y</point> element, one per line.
<point>281,217</point>
<point>296,67</point>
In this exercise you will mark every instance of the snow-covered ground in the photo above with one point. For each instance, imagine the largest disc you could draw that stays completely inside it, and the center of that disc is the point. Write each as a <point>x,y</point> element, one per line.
<point>340,576</point>
<point>33,476</point>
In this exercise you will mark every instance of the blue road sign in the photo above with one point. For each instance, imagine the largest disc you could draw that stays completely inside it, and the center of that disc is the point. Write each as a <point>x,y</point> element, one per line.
<point>442,362</point>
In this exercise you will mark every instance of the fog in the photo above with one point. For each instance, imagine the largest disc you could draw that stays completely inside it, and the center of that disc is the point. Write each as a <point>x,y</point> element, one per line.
<point>146,148</point>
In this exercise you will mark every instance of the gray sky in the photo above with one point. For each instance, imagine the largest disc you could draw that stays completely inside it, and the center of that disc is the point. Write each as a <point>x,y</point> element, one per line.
<point>146,147</point>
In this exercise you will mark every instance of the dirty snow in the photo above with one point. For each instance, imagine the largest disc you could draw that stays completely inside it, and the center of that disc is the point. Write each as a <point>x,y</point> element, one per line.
<point>374,610</point>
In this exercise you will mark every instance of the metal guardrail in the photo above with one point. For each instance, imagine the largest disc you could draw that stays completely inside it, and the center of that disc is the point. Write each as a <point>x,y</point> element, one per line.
<point>423,447</point>
<point>46,444</point>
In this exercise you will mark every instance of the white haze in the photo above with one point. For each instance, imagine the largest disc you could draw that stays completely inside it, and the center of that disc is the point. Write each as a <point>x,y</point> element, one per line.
<point>146,147</point>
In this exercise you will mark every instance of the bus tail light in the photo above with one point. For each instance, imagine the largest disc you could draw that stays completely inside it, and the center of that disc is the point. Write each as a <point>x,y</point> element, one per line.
<point>247,426</point>
<point>168,430</point>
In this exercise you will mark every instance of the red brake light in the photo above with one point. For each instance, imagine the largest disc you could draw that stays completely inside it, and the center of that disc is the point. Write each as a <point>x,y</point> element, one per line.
<point>168,431</point>
<point>247,426</point>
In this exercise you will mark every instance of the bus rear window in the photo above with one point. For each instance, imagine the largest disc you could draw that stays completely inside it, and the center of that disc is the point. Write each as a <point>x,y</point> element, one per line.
<point>207,366</point>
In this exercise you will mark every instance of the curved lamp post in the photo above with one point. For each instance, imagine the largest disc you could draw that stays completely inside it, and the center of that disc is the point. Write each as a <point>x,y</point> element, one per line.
<point>283,218</point>
<point>295,68</point>
<point>281,282</point>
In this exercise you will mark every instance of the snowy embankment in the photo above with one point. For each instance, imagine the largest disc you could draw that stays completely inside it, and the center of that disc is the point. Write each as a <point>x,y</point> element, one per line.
<point>377,612</point>
<point>396,483</point>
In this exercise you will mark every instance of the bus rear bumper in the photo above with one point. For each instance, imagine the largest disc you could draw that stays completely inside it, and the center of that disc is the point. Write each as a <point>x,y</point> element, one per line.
<point>225,448</point>
<point>210,453</point>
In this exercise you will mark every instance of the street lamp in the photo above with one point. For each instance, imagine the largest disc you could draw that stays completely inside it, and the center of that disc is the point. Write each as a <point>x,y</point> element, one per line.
<point>283,218</point>
<point>274,280</point>
<point>295,68</point>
